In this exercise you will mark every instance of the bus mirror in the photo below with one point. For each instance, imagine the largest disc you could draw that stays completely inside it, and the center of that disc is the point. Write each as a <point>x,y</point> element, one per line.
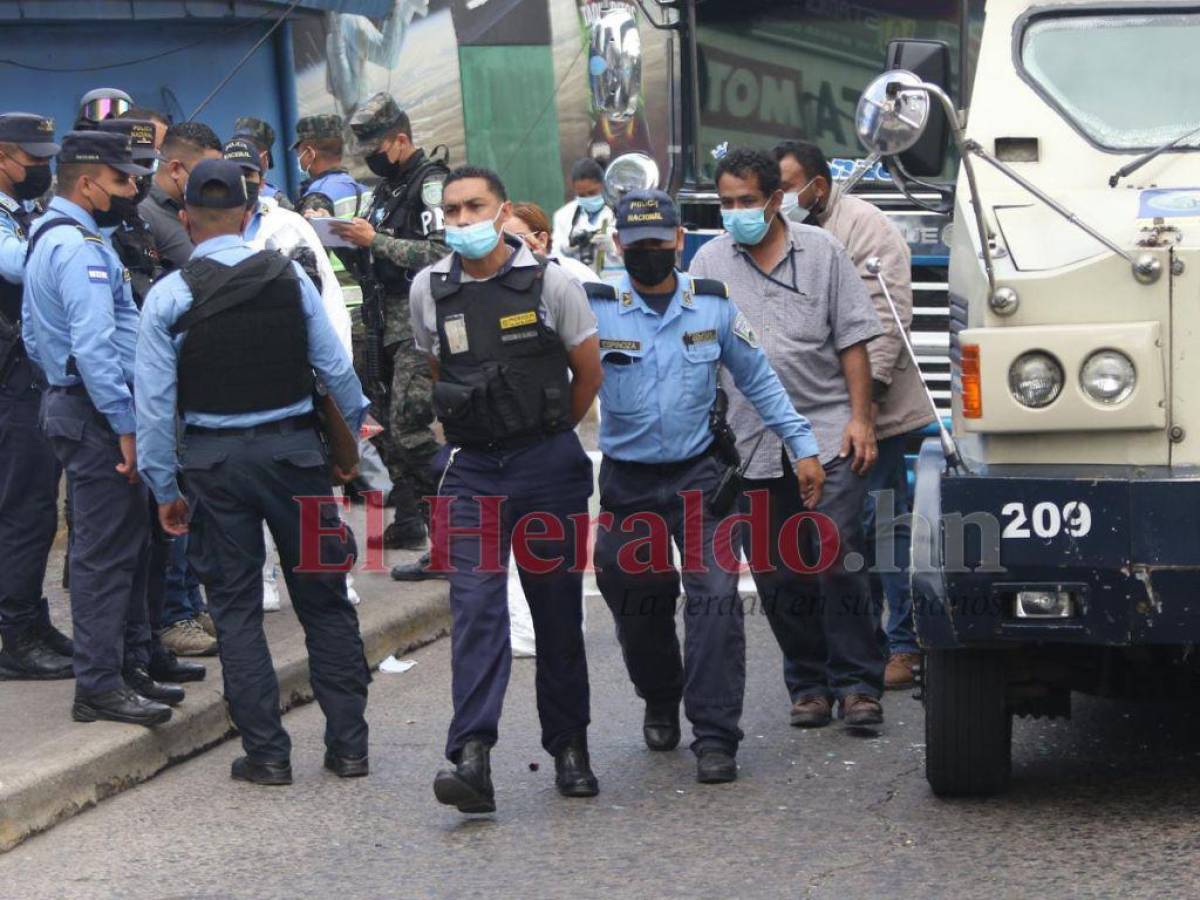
<point>890,119</point>
<point>615,65</point>
<point>629,172</point>
<point>929,61</point>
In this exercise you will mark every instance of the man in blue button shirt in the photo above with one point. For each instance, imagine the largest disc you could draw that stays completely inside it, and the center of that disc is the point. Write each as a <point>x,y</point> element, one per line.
<point>663,335</point>
<point>32,648</point>
<point>230,344</point>
<point>80,326</point>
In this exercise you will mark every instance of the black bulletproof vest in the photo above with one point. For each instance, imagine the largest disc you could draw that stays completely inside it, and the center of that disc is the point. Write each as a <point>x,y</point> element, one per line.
<point>396,210</point>
<point>246,347</point>
<point>135,246</point>
<point>502,373</point>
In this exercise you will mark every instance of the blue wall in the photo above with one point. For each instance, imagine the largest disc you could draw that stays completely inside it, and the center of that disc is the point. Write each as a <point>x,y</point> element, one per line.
<point>175,83</point>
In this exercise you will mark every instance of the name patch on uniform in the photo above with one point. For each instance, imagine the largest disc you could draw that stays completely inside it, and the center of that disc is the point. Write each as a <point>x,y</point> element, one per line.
<point>511,336</point>
<point>525,318</point>
<point>456,334</point>
<point>610,344</point>
<point>98,274</point>
<point>741,327</point>
<point>699,337</point>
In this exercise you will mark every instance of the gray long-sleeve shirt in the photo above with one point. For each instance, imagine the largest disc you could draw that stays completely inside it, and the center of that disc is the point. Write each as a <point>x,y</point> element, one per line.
<point>161,213</point>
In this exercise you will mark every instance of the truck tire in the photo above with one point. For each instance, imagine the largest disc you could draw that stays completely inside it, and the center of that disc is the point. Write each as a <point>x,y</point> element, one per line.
<point>968,727</point>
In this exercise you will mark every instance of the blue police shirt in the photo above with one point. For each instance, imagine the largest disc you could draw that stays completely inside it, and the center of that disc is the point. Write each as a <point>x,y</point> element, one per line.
<point>12,242</point>
<point>78,305</point>
<point>158,364</point>
<point>660,375</point>
<point>347,195</point>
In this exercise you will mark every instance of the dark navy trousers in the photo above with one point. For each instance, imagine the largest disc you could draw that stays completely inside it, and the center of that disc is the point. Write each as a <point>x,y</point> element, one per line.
<point>29,476</point>
<point>234,483</point>
<point>554,477</point>
<point>110,543</point>
<point>648,511</point>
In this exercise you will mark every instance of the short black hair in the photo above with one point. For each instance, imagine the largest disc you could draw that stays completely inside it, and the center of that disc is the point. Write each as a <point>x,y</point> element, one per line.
<point>146,113</point>
<point>462,173</point>
<point>808,154</point>
<point>587,169</point>
<point>402,125</point>
<point>743,161</point>
<point>195,137</point>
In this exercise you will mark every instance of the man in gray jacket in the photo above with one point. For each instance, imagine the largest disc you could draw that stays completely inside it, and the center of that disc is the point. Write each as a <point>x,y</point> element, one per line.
<point>899,399</point>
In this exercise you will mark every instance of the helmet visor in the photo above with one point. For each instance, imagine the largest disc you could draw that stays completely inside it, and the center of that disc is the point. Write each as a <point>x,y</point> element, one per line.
<point>104,108</point>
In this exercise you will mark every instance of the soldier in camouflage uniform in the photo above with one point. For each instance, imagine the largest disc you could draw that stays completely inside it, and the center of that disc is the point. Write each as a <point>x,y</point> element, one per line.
<point>401,234</point>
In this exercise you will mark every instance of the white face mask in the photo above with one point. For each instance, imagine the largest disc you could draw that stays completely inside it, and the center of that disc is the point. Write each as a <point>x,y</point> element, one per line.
<point>791,208</point>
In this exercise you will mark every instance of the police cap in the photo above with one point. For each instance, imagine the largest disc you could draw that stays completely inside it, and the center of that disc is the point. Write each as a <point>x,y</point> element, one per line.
<point>216,171</point>
<point>101,148</point>
<point>374,119</point>
<point>646,216</point>
<point>140,133</point>
<point>243,151</point>
<point>318,128</point>
<point>33,134</point>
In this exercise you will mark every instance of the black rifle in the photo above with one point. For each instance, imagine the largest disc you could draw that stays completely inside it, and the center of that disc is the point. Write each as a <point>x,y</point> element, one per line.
<point>373,318</point>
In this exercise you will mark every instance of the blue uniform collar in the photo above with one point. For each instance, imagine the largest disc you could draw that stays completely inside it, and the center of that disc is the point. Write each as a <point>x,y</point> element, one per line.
<point>74,211</point>
<point>217,244</point>
<point>630,299</point>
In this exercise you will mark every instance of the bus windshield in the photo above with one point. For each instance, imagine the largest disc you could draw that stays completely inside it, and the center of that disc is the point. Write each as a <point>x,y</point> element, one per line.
<point>773,70</point>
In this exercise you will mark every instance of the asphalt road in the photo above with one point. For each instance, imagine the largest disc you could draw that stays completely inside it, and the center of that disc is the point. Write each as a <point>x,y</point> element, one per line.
<point>1101,806</point>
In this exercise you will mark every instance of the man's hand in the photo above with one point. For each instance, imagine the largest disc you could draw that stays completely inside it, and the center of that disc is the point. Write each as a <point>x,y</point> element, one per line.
<point>859,440</point>
<point>173,517</point>
<point>340,478</point>
<point>811,475</point>
<point>128,464</point>
<point>359,232</point>
<point>316,214</point>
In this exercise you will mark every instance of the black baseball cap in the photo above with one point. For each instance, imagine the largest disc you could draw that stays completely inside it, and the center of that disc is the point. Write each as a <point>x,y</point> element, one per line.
<point>140,133</point>
<point>646,216</point>
<point>33,134</point>
<point>100,148</point>
<point>216,171</point>
<point>243,150</point>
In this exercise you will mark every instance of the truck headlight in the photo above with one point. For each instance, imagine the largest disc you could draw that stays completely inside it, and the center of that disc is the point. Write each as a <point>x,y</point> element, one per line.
<point>1035,379</point>
<point>1108,377</point>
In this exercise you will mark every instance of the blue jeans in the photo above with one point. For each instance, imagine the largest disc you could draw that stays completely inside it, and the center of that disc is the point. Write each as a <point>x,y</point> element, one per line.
<point>182,599</point>
<point>891,474</point>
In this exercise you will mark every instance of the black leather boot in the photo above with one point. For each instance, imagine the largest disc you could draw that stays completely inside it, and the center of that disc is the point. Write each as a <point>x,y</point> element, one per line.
<point>660,727</point>
<point>715,766</point>
<point>468,786</point>
<point>415,571</point>
<point>166,666</point>
<point>56,640</point>
<point>266,773</point>
<point>573,770</point>
<point>163,692</point>
<point>121,705</point>
<point>29,658</point>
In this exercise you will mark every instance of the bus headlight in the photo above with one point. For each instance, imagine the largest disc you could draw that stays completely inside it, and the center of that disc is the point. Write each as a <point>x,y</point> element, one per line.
<point>1035,379</point>
<point>1108,377</point>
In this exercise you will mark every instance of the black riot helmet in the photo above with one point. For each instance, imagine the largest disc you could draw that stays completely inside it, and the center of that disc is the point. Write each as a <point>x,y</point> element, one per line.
<point>102,103</point>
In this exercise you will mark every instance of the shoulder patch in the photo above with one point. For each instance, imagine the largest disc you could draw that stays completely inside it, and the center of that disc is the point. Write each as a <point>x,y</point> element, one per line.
<point>431,192</point>
<point>710,287</point>
<point>97,274</point>
<point>742,328</point>
<point>599,291</point>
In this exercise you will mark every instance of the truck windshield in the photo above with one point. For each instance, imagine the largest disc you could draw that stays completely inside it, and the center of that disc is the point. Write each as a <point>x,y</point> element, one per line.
<point>773,70</point>
<point>1127,81</point>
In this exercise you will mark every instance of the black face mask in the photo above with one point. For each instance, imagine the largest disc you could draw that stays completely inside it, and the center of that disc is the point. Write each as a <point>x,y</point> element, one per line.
<point>252,190</point>
<point>649,267</point>
<point>379,163</point>
<point>37,182</point>
<point>119,210</point>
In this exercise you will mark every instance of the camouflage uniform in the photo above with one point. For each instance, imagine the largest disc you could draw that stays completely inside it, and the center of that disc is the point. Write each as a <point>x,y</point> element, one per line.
<point>264,136</point>
<point>406,212</point>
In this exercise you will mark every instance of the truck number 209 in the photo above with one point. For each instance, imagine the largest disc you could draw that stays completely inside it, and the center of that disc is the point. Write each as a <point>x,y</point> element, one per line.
<point>1075,518</point>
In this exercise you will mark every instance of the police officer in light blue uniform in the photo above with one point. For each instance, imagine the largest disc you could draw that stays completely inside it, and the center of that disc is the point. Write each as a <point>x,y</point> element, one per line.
<point>80,326</point>
<point>663,336</point>
<point>32,649</point>
<point>230,343</point>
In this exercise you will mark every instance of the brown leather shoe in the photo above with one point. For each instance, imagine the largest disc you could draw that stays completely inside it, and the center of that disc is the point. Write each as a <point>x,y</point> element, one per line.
<point>899,671</point>
<point>859,711</point>
<point>811,712</point>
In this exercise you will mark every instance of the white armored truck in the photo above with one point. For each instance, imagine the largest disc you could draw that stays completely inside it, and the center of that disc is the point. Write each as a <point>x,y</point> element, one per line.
<point>1056,533</point>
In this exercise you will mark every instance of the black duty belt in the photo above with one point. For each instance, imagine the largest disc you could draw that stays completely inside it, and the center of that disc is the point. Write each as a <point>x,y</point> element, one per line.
<point>74,390</point>
<point>306,422</point>
<point>514,443</point>
<point>663,469</point>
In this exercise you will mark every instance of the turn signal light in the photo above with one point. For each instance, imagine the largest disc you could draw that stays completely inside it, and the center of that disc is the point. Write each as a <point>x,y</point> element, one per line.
<point>972,390</point>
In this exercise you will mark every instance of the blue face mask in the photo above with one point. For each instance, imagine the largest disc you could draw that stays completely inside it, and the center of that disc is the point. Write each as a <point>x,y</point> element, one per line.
<point>473,241</point>
<point>592,205</point>
<point>746,226</point>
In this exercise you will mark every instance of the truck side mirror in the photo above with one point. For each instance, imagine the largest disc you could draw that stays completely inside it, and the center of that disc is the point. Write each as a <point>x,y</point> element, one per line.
<point>929,61</point>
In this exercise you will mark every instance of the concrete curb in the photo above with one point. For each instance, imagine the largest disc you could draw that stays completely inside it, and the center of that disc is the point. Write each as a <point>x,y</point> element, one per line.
<point>105,758</point>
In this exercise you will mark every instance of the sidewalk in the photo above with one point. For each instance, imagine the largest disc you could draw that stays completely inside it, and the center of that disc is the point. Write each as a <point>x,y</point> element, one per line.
<point>51,768</point>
